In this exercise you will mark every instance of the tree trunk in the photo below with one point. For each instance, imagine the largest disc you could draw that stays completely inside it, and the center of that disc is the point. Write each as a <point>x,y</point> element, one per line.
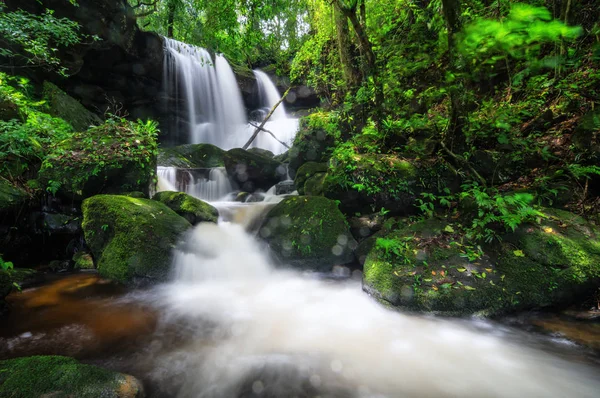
<point>351,75</point>
<point>171,6</point>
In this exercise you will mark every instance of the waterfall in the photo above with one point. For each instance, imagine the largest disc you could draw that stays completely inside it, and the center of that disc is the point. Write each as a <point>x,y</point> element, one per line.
<point>253,330</point>
<point>280,124</point>
<point>206,184</point>
<point>216,114</point>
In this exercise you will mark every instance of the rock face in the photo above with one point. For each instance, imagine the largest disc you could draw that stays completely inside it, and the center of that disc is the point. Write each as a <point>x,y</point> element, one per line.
<point>61,377</point>
<point>123,68</point>
<point>314,141</point>
<point>131,239</point>
<point>308,233</point>
<point>192,156</point>
<point>418,267</point>
<point>115,157</point>
<point>11,196</point>
<point>252,171</point>
<point>192,209</point>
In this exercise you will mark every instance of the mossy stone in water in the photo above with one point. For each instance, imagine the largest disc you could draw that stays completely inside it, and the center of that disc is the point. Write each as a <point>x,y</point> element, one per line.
<point>194,156</point>
<point>63,377</point>
<point>552,263</point>
<point>192,209</point>
<point>308,232</point>
<point>131,238</point>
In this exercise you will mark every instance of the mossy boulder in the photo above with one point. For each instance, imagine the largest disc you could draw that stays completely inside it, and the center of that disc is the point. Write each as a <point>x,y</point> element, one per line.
<point>63,377</point>
<point>11,196</point>
<point>317,136</point>
<point>8,109</point>
<point>427,266</point>
<point>252,171</point>
<point>131,239</point>
<point>62,105</point>
<point>308,232</point>
<point>116,157</point>
<point>306,172</point>
<point>83,260</point>
<point>192,156</point>
<point>192,209</point>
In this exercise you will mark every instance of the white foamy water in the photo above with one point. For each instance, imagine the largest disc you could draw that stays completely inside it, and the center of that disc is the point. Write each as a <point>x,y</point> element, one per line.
<point>258,331</point>
<point>215,186</point>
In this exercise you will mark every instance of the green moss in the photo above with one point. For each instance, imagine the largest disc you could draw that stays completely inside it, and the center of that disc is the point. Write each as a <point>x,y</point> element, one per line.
<point>192,156</point>
<point>61,105</point>
<point>130,237</point>
<point>317,136</point>
<point>62,377</point>
<point>314,185</point>
<point>192,209</point>
<point>83,260</point>
<point>306,171</point>
<point>308,232</point>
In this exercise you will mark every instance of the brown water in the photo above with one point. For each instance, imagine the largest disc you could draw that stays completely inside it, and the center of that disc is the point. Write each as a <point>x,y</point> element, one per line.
<point>78,315</point>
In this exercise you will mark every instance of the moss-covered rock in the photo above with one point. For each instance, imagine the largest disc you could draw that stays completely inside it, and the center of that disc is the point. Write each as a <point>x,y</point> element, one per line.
<point>253,171</point>
<point>11,196</point>
<point>131,238</point>
<point>308,232</point>
<point>63,377</point>
<point>427,266</point>
<point>8,109</point>
<point>83,260</point>
<point>118,156</point>
<point>308,170</point>
<point>193,156</point>
<point>316,138</point>
<point>192,209</point>
<point>62,105</point>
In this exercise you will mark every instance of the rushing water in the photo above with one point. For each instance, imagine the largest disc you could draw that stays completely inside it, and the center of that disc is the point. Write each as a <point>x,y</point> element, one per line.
<point>230,324</point>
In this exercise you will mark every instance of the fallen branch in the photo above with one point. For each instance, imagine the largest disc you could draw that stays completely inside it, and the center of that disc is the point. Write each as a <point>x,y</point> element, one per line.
<point>269,132</point>
<point>262,125</point>
<point>464,162</point>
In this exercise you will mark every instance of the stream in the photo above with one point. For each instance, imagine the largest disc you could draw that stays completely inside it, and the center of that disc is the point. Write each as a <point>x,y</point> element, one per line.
<point>230,324</point>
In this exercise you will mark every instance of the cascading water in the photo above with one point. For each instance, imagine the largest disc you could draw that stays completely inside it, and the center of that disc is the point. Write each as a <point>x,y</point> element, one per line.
<point>256,331</point>
<point>213,185</point>
<point>215,110</point>
<point>279,123</point>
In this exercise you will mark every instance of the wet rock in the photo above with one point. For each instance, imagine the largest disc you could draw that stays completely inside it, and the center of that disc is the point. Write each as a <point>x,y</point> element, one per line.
<point>308,232</point>
<point>192,209</point>
<point>252,171</point>
<point>551,264</point>
<point>57,376</point>
<point>62,224</point>
<point>11,196</point>
<point>364,226</point>
<point>131,239</point>
<point>285,187</point>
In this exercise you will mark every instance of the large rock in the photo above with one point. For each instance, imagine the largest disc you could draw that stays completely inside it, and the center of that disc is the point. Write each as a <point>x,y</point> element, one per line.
<point>192,209</point>
<point>428,266</point>
<point>308,232</point>
<point>192,156</point>
<point>116,157</point>
<point>131,238</point>
<point>63,377</point>
<point>62,105</point>
<point>253,171</point>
